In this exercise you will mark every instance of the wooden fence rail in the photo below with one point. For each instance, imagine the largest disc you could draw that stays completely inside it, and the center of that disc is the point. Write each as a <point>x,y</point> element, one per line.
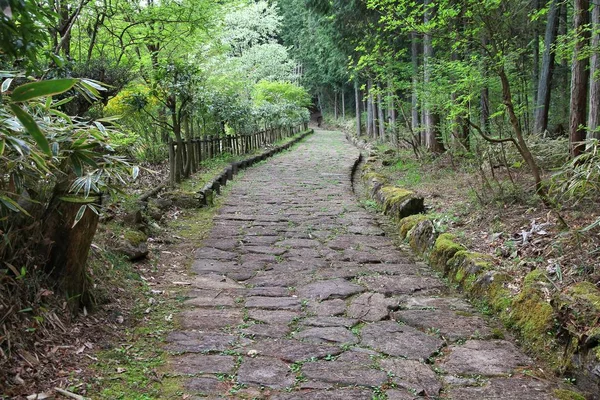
<point>186,160</point>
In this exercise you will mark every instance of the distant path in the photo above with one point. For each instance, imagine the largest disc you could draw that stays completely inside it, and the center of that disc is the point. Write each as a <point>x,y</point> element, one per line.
<point>298,295</point>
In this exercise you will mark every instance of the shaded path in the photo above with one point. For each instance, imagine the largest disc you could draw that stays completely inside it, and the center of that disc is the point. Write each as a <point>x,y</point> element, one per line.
<point>300,296</point>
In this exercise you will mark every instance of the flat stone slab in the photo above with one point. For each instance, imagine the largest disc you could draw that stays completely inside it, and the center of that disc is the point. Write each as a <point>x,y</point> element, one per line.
<point>206,386</point>
<point>265,291</point>
<point>370,307</point>
<point>397,285</point>
<point>484,357</point>
<point>210,319</point>
<point>435,303</point>
<point>344,373</point>
<point>211,253</point>
<point>324,322</point>
<point>274,303</point>
<point>337,394</point>
<point>196,364</point>
<point>266,331</point>
<point>269,250</point>
<point>327,335</point>
<point>199,342</point>
<point>219,300</point>
<point>293,350</point>
<point>450,325</point>
<point>329,308</point>
<point>504,389</point>
<point>399,394</point>
<point>329,289</point>
<point>299,243</point>
<point>214,281</point>
<point>412,375</point>
<point>267,372</point>
<point>398,340</point>
<point>273,316</point>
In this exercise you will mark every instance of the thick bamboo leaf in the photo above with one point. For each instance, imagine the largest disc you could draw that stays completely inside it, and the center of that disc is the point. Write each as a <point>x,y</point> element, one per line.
<point>33,90</point>
<point>79,199</point>
<point>79,215</point>
<point>32,128</point>
<point>12,205</point>
<point>6,84</point>
<point>2,145</point>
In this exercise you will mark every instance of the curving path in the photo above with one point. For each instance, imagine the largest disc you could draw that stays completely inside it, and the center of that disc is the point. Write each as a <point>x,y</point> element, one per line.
<point>299,295</point>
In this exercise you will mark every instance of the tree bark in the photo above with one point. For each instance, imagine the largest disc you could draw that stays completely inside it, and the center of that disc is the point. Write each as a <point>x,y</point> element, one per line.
<point>545,79</point>
<point>380,116</point>
<point>357,101</point>
<point>579,80</point>
<point>369,109</point>
<point>535,73</point>
<point>594,105</point>
<point>432,119</point>
<point>414,56</point>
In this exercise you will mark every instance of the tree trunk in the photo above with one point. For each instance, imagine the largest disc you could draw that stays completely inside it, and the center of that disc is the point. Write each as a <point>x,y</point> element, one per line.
<point>545,79</point>
<point>343,104</point>
<point>484,99</point>
<point>67,247</point>
<point>535,73</point>
<point>414,57</point>
<point>432,136</point>
<point>579,80</point>
<point>335,105</point>
<point>357,100</point>
<point>370,113</point>
<point>594,105</point>
<point>380,117</point>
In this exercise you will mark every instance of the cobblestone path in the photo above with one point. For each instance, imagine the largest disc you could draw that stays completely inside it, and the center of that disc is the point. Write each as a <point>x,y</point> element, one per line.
<point>299,295</point>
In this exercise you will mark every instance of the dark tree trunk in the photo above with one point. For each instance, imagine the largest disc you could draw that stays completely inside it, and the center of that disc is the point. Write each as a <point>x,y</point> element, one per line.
<point>535,73</point>
<point>545,79</point>
<point>594,105</point>
<point>414,56</point>
<point>579,80</point>
<point>66,247</point>
<point>380,116</point>
<point>357,101</point>
<point>432,134</point>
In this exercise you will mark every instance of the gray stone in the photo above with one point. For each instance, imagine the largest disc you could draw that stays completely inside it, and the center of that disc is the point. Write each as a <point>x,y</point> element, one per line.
<point>400,340</point>
<point>324,322</point>
<point>435,303</point>
<point>450,325</point>
<point>293,350</point>
<point>370,307</point>
<point>266,330</point>
<point>328,308</point>
<point>203,364</point>
<point>198,342</point>
<point>274,303</point>
<point>267,372</point>
<point>337,394</point>
<point>504,389</point>
<point>327,335</point>
<point>273,316</point>
<point>265,291</point>
<point>210,253</point>
<point>413,375</point>
<point>206,386</point>
<point>207,319</point>
<point>397,285</point>
<point>274,251</point>
<point>399,394</point>
<point>329,289</point>
<point>214,281</point>
<point>344,373</point>
<point>481,357</point>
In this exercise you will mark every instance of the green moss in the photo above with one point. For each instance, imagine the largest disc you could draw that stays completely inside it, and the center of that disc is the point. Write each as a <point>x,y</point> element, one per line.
<point>393,195</point>
<point>135,237</point>
<point>564,394</point>
<point>466,263</point>
<point>597,352</point>
<point>586,292</point>
<point>497,333</point>
<point>373,176</point>
<point>443,250</point>
<point>407,223</point>
<point>531,314</point>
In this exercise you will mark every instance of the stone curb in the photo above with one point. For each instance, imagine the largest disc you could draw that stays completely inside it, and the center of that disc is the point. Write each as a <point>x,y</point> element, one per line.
<point>213,187</point>
<point>528,312</point>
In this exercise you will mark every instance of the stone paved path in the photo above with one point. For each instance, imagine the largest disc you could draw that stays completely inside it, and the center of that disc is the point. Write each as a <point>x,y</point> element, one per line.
<point>299,295</point>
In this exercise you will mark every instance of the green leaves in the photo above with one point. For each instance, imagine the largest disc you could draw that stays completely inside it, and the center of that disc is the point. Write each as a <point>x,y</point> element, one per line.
<point>33,90</point>
<point>31,127</point>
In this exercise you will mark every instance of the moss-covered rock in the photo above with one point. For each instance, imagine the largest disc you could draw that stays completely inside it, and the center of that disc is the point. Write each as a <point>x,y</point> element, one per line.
<point>422,237</point>
<point>135,237</point>
<point>407,223</point>
<point>465,266</point>
<point>531,313</point>
<point>564,394</point>
<point>444,249</point>
<point>399,203</point>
